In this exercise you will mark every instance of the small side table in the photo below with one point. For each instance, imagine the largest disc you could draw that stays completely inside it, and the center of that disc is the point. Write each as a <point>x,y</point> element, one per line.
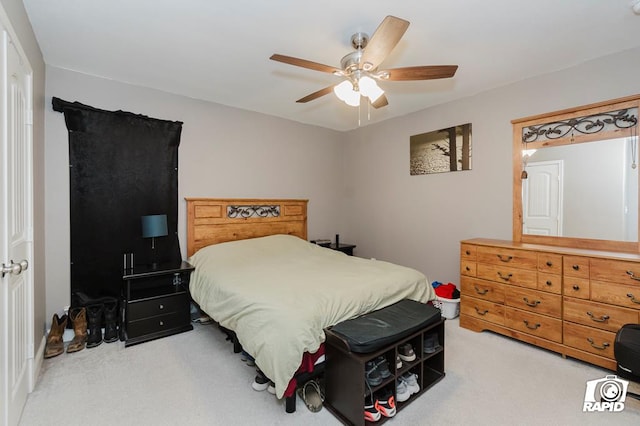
<point>155,302</point>
<point>345,248</point>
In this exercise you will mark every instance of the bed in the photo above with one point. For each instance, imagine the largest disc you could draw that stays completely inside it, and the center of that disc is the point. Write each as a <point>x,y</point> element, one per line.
<point>257,276</point>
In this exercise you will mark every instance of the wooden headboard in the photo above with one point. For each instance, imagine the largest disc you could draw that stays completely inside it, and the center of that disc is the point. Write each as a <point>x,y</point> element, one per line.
<point>217,220</point>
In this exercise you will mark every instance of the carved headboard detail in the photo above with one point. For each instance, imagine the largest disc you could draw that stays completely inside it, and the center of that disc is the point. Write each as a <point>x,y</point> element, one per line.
<point>218,220</point>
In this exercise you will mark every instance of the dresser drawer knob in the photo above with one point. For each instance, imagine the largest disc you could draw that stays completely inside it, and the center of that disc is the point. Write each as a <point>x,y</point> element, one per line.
<point>481,292</point>
<point>161,306</point>
<point>549,263</point>
<point>531,327</point>
<point>603,318</point>
<point>632,297</point>
<point>467,268</point>
<point>483,313</point>
<point>504,258</point>
<point>467,252</point>
<point>532,304</point>
<point>576,287</point>
<point>506,277</point>
<point>549,283</point>
<point>576,267</point>
<point>632,276</point>
<point>604,346</point>
<point>161,322</point>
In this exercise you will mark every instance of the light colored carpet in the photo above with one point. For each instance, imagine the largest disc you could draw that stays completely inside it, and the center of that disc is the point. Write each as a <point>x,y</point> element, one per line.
<point>195,379</point>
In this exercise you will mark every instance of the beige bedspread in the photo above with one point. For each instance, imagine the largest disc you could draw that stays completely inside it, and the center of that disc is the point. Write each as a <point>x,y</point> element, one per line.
<point>278,293</point>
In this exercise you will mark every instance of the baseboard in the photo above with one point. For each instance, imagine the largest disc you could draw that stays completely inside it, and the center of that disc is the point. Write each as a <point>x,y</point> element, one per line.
<point>36,364</point>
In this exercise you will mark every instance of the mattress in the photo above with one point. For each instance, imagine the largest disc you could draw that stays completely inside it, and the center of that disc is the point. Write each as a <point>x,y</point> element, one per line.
<point>278,294</point>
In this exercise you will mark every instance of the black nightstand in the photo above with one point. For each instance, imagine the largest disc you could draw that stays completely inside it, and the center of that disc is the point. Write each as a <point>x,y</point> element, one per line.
<point>345,248</point>
<point>155,302</point>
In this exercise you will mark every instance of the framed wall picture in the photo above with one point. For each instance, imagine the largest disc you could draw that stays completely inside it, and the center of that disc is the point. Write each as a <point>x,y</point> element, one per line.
<point>444,150</point>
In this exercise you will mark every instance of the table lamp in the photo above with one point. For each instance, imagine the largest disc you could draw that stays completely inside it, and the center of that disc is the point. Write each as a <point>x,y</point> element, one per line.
<point>154,226</point>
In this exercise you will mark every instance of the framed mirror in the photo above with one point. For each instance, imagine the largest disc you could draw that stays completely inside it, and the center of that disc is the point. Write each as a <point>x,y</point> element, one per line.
<point>576,175</point>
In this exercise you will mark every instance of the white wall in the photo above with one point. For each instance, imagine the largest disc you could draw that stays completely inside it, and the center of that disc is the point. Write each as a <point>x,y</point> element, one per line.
<point>419,220</point>
<point>224,152</point>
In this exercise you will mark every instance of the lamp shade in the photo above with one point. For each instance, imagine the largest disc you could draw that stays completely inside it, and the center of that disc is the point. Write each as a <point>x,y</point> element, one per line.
<point>154,226</point>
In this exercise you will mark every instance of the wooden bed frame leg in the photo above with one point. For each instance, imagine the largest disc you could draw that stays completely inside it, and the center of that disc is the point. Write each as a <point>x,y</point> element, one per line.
<point>290,403</point>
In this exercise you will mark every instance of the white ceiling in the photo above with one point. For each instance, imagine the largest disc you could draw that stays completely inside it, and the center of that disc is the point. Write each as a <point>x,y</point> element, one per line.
<point>219,50</point>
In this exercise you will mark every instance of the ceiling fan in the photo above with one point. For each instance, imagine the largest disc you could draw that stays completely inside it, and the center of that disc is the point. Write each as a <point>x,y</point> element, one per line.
<point>360,68</point>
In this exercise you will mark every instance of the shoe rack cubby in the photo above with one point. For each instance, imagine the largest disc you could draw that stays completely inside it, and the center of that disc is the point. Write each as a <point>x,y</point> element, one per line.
<point>345,386</point>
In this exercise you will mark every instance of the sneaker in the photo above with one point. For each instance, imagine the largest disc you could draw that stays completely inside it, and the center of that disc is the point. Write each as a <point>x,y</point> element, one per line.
<point>248,359</point>
<point>261,382</point>
<point>372,374</point>
<point>386,404</point>
<point>431,344</point>
<point>371,413</point>
<point>402,391</point>
<point>398,363</point>
<point>406,353</point>
<point>411,380</point>
<point>271,388</point>
<point>383,367</point>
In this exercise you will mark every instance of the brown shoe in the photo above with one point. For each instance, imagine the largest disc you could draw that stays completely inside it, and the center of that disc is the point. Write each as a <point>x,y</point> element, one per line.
<point>78,317</point>
<point>55,345</point>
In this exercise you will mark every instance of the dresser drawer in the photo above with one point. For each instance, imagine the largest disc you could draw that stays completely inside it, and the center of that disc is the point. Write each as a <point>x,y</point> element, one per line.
<point>140,309</point>
<point>550,263</point>
<point>482,289</point>
<point>616,294</point>
<point>617,271</point>
<point>551,283</point>
<point>575,266</point>
<point>576,287</point>
<point>589,339</point>
<point>482,309</point>
<point>157,324</point>
<point>468,268</point>
<point>508,275</point>
<point>605,317</point>
<point>468,252</point>
<point>508,257</point>
<point>534,301</point>
<point>530,323</point>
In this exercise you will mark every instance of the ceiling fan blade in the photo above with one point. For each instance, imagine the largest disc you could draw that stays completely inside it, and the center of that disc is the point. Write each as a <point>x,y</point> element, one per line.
<point>383,40</point>
<point>305,64</point>
<point>316,95</point>
<point>380,102</point>
<point>429,72</point>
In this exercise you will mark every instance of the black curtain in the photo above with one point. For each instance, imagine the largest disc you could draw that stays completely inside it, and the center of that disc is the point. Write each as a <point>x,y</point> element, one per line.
<point>122,166</point>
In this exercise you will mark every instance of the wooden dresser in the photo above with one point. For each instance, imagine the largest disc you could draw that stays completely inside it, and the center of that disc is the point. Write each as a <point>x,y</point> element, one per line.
<point>571,301</point>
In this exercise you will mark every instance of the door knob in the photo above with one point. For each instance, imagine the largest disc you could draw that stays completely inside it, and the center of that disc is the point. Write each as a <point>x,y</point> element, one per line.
<point>13,268</point>
<point>24,264</point>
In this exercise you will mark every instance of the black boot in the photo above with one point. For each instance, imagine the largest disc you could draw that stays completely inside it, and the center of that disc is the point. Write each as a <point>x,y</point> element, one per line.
<point>110,321</point>
<point>94,319</point>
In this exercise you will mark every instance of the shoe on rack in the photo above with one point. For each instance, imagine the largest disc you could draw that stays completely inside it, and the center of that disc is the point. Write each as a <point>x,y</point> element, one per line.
<point>402,391</point>
<point>411,380</point>
<point>431,344</point>
<point>372,374</point>
<point>406,353</point>
<point>371,413</point>
<point>383,367</point>
<point>260,382</point>
<point>55,344</point>
<point>386,404</point>
<point>398,363</point>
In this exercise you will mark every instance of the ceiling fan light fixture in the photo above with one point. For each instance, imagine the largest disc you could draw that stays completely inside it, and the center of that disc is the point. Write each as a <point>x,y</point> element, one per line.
<point>346,93</point>
<point>369,88</point>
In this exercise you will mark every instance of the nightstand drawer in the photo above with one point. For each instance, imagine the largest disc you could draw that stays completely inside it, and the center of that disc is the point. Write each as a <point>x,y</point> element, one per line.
<point>140,309</point>
<point>157,324</point>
